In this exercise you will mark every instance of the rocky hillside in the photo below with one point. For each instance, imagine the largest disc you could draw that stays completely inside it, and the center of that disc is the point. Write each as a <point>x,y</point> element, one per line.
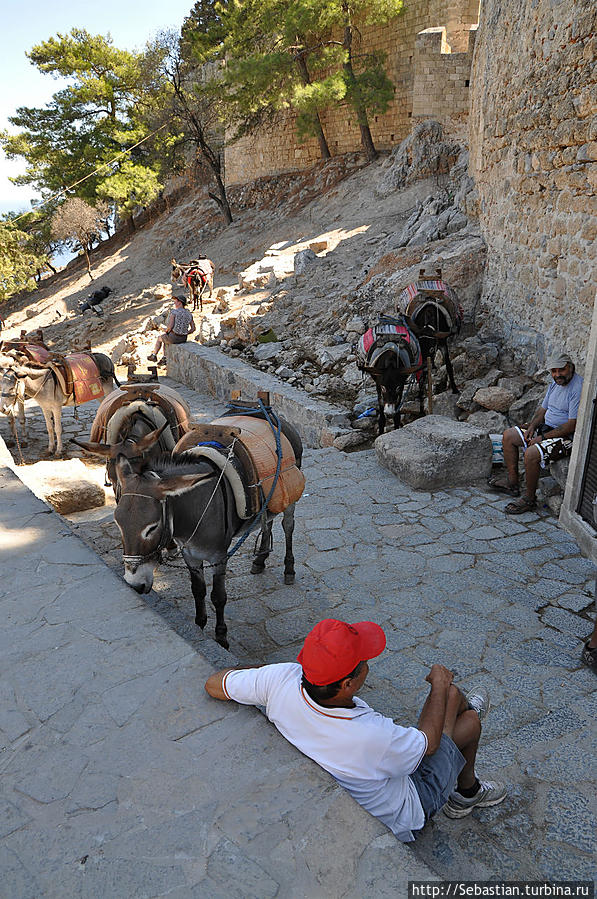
<point>311,259</point>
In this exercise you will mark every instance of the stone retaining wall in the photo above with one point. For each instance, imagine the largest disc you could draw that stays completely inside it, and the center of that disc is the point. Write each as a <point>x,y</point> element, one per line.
<point>533,139</point>
<point>207,370</point>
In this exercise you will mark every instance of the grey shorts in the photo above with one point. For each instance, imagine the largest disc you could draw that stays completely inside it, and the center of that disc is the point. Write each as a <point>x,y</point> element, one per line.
<point>436,776</point>
<point>174,338</point>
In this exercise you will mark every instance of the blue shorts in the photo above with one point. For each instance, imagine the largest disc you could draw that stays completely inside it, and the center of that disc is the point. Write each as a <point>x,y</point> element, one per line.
<point>436,776</point>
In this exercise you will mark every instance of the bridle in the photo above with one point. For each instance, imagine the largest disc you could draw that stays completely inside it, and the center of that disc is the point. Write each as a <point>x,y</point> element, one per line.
<point>165,536</point>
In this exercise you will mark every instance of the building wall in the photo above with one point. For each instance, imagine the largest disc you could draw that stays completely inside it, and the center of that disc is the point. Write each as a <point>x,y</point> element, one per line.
<point>276,149</point>
<point>533,142</point>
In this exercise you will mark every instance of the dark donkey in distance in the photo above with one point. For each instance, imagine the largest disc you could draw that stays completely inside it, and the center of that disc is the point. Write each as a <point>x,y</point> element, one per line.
<point>186,501</point>
<point>436,315</point>
<point>390,353</point>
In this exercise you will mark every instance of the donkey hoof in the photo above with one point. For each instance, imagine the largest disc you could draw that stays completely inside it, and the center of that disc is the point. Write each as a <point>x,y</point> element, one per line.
<point>221,639</point>
<point>201,622</point>
<point>257,569</point>
<point>289,578</point>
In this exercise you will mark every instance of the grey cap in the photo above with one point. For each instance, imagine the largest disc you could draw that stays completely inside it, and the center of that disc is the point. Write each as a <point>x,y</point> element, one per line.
<point>558,360</point>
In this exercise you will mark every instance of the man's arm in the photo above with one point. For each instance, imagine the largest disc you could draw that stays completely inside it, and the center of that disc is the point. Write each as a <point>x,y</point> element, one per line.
<point>433,715</point>
<point>565,430</point>
<point>214,685</point>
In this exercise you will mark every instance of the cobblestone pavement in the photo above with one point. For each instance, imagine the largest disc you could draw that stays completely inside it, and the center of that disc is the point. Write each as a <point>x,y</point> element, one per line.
<point>451,579</point>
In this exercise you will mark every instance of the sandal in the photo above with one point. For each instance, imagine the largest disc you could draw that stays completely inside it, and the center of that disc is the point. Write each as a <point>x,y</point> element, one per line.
<point>521,506</point>
<point>501,483</point>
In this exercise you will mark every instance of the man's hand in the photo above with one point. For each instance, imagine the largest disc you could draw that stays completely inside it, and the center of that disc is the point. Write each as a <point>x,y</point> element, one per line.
<point>440,676</point>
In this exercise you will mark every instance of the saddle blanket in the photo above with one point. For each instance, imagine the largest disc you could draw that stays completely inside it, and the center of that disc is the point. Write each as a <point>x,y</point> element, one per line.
<point>79,377</point>
<point>385,330</point>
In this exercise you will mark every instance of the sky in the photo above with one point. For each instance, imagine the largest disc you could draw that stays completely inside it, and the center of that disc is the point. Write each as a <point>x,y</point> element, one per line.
<point>130,22</point>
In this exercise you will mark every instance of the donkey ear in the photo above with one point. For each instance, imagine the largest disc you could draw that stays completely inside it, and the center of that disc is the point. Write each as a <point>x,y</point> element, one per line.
<point>179,484</point>
<point>123,468</point>
<point>96,449</point>
<point>142,445</point>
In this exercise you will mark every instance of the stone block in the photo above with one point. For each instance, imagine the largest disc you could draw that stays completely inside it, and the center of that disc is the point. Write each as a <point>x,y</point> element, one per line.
<point>521,410</point>
<point>67,485</point>
<point>497,399</point>
<point>436,452</point>
<point>489,421</point>
<point>267,351</point>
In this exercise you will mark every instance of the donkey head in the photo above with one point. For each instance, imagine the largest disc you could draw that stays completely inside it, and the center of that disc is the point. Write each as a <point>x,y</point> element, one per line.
<point>143,517</point>
<point>134,450</point>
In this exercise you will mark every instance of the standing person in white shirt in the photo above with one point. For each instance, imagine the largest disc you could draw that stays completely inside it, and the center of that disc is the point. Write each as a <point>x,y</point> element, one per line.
<point>402,775</point>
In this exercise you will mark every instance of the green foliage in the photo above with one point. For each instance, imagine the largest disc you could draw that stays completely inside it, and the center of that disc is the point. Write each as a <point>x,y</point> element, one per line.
<point>19,259</point>
<point>109,106</point>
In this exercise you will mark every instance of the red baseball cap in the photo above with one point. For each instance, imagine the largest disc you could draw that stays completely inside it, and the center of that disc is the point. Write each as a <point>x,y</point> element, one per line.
<point>333,649</point>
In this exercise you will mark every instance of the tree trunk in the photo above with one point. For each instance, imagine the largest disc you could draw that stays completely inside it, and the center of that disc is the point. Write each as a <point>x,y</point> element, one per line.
<point>355,99</point>
<point>221,199</point>
<point>51,267</point>
<point>86,251</point>
<point>131,223</point>
<point>319,133</point>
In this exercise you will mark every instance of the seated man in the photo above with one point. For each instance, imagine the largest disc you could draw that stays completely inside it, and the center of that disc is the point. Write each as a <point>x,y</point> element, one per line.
<point>547,437</point>
<point>402,775</point>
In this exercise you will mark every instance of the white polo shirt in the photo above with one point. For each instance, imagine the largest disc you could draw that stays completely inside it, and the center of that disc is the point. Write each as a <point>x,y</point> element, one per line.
<point>367,753</point>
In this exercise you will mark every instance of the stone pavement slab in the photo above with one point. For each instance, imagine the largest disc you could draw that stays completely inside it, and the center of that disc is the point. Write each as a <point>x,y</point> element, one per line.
<point>122,778</point>
<point>512,616</point>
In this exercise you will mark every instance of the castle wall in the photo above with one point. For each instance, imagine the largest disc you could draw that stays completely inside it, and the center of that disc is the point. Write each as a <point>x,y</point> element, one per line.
<point>533,141</point>
<point>275,148</point>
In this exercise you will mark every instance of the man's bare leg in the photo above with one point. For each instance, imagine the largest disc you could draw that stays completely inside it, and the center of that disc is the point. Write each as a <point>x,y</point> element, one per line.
<point>511,443</point>
<point>532,465</point>
<point>463,726</point>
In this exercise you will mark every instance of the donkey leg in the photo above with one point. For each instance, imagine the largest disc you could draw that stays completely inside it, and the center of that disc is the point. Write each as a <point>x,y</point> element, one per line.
<point>397,413</point>
<point>199,590</point>
<point>288,528</point>
<point>449,369</point>
<point>219,598</point>
<point>50,429</point>
<point>57,416</point>
<point>381,421</point>
<point>264,548</point>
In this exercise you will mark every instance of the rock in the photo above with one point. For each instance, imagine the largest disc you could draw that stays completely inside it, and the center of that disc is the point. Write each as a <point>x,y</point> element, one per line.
<point>446,404</point>
<point>329,356</point>
<point>209,329</point>
<point>465,399</point>
<point>548,486</point>
<point>435,452</point>
<point>284,372</point>
<point>162,291</point>
<point>356,326</point>
<point>66,485</point>
<point>352,375</point>
<point>522,410</point>
<point>303,260</point>
<point>490,421</point>
<point>516,386</point>
<point>266,351</point>
<point>554,503</point>
<point>350,440</point>
<point>121,347</point>
<point>318,246</point>
<point>496,398</point>
<point>559,471</point>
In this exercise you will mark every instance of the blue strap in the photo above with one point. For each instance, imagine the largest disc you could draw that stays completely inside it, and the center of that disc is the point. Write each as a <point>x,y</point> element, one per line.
<point>276,429</point>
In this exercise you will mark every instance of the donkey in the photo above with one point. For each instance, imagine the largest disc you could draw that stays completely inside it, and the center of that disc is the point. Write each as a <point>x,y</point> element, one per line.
<point>390,353</point>
<point>436,317</point>
<point>17,408</point>
<point>29,381</point>
<point>197,275</point>
<point>186,501</point>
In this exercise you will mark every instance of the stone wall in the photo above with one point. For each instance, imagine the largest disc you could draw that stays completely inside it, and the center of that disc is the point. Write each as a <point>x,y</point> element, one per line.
<point>533,139</point>
<point>276,149</point>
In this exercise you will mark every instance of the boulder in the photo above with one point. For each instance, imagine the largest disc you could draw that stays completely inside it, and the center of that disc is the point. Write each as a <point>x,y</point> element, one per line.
<point>209,330</point>
<point>435,452</point>
<point>353,375</point>
<point>303,260</point>
<point>329,356</point>
<point>517,386</point>
<point>67,485</point>
<point>489,421</point>
<point>162,291</point>
<point>446,404</point>
<point>355,326</point>
<point>350,440</point>
<point>267,351</point>
<point>119,350</point>
<point>559,471</point>
<point>318,246</point>
<point>496,398</point>
<point>522,410</point>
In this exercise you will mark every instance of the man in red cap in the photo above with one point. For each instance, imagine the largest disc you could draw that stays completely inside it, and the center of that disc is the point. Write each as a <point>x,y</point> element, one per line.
<point>402,775</point>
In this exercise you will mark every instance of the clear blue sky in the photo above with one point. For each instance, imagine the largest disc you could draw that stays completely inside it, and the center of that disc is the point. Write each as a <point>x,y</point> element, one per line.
<point>130,22</point>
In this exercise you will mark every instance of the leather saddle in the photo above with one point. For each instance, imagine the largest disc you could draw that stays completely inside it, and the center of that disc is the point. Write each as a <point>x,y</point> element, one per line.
<point>251,469</point>
<point>159,403</point>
